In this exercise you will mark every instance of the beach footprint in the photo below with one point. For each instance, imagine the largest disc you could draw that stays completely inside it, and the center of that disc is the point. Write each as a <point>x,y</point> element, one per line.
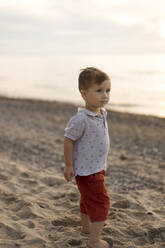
<point>155,234</point>
<point>127,204</point>
<point>8,244</point>
<point>121,204</point>
<point>27,213</point>
<point>66,221</point>
<point>8,233</point>
<point>30,224</point>
<point>51,181</point>
<point>35,242</point>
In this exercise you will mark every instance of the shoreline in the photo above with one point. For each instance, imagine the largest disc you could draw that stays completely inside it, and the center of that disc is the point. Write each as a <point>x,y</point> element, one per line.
<point>40,209</point>
<point>115,107</point>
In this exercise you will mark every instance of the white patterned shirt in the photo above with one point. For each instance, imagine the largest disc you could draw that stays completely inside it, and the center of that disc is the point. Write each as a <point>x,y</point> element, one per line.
<point>91,146</point>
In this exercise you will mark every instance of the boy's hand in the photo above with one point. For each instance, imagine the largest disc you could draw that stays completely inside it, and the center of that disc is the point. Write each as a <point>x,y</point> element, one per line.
<point>68,173</point>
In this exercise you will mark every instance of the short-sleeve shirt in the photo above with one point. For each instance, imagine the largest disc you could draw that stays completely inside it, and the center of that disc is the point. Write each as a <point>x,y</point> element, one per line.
<point>89,131</point>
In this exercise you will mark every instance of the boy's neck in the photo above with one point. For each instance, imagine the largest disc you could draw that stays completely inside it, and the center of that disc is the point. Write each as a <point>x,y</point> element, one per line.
<point>94,110</point>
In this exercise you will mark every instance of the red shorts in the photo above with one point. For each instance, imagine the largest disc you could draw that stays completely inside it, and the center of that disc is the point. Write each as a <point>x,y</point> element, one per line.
<point>94,201</point>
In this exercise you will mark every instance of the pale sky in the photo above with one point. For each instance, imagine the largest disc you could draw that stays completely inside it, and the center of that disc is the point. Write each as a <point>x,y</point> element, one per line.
<point>81,27</point>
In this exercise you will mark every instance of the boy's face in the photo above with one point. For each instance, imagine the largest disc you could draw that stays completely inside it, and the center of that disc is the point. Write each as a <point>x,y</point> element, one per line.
<point>97,95</point>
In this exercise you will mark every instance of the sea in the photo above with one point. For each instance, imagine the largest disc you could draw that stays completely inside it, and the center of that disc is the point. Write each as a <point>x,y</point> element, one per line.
<point>138,80</point>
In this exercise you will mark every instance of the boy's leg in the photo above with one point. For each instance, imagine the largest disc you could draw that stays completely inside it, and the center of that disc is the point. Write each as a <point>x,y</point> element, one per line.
<point>97,193</point>
<point>97,206</point>
<point>95,240</point>
<point>84,218</point>
<point>85,223</point>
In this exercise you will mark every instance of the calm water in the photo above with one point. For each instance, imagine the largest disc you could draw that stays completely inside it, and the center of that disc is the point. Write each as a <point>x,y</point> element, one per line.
<point>138,81</point>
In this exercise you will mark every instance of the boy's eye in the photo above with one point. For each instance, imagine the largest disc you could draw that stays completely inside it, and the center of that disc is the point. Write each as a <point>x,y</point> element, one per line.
<point>99,90</point>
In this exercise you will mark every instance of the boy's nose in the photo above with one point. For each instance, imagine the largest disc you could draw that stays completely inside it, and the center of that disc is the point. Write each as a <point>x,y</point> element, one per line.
<point>105,94</point>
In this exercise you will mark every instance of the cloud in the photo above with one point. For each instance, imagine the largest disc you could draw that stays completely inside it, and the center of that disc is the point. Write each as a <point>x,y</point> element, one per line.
<point>41,27</point>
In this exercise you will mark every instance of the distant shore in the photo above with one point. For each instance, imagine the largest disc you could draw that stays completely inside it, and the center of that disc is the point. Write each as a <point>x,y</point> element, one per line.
<point>39,209</point>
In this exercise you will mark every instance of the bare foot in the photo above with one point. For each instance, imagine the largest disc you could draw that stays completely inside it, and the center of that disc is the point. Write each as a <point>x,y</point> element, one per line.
<point>99,244</point>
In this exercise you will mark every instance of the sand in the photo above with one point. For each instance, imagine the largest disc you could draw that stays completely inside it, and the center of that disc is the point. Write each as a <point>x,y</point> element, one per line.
<point>38,208</point>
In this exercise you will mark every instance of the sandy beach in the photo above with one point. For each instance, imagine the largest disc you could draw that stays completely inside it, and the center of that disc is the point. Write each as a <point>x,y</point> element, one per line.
<point>38,208</point>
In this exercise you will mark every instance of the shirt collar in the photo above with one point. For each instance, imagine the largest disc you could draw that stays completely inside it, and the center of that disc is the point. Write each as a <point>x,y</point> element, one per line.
<point>88,112</point>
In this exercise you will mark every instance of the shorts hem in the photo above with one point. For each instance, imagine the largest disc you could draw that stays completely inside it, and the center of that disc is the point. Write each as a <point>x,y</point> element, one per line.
<point>96,219</point>
<point>83,212</point>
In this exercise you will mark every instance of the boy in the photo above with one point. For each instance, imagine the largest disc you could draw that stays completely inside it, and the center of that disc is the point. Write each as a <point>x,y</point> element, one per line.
<point>86,146</point>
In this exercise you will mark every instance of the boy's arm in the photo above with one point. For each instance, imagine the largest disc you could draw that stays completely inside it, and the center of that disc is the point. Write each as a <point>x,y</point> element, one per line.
<point>68,157</point>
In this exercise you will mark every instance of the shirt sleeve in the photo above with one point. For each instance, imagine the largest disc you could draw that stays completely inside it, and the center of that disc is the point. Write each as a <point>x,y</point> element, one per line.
<point>75,127</point>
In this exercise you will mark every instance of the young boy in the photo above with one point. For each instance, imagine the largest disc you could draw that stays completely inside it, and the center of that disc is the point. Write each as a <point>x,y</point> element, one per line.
<point>86,146</point>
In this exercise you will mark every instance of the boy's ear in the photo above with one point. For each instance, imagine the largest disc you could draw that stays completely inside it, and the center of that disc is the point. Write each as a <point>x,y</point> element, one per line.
<point>83,93</point>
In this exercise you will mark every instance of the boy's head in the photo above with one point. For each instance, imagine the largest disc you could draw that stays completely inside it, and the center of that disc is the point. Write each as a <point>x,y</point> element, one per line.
<point>90,76</point>
<point>95,87</point>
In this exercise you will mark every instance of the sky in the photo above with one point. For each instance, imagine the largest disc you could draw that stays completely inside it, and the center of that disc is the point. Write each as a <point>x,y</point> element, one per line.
<point>81,27</point>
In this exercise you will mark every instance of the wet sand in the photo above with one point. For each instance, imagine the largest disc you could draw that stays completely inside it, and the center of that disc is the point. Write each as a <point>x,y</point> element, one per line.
<point>39,209</point>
